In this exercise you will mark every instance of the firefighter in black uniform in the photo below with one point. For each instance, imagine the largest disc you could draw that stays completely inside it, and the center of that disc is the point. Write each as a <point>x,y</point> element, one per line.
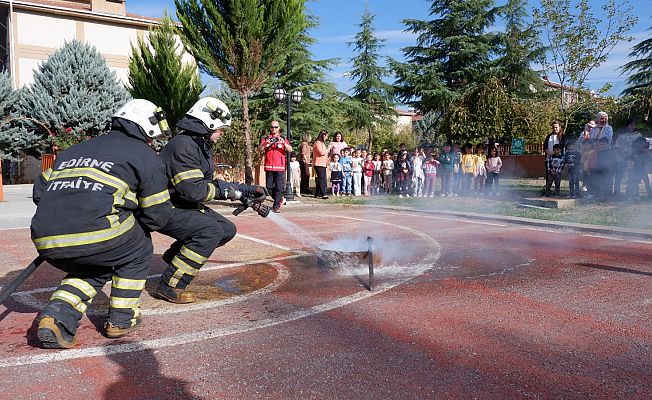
<point>95,207</point>
<point>198,230</point>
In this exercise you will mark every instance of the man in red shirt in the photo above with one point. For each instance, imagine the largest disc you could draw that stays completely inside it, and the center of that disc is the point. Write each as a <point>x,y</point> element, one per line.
<point>275,149</point>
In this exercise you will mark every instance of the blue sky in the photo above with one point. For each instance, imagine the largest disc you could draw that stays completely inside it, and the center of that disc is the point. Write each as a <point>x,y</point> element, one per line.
<point>339,20</point>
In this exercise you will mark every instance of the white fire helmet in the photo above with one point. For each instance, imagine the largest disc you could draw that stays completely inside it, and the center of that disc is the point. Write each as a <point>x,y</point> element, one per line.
<point>147,115</point>
<point>213,113</point>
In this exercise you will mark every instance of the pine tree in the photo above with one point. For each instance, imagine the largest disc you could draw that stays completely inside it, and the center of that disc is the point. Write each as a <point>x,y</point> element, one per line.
<point>157,73</point>
<point>15,140</point>
<point>322,106</point>
<point>521,48</point>
<point>374,97</point>
<point>243,42</point>
<point>640,76</point>
<point>453,51</point>
<point>74,94</point>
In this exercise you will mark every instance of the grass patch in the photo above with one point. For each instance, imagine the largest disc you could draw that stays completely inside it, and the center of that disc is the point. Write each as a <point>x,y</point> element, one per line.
<point>616,214</point>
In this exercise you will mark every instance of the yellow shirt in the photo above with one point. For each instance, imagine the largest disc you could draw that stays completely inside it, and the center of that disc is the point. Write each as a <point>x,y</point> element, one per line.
<point>468,164</point>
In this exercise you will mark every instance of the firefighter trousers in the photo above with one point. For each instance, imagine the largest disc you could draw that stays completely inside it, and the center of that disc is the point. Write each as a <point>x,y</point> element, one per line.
<point>126,267</point>
<point>198,232</point>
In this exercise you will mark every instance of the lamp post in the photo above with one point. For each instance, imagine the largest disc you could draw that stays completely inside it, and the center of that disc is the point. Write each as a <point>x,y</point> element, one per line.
<point>282,96</point>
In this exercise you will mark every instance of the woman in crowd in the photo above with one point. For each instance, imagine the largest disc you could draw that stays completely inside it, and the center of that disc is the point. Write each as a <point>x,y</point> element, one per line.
<point>602,129</point>
<point>304,163</point>
<point>320,162</point>
<point>337,145</point>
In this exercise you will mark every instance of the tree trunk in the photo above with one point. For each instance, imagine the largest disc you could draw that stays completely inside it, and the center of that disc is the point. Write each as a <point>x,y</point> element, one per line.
<point>249,165</point>
<point>370,139</point>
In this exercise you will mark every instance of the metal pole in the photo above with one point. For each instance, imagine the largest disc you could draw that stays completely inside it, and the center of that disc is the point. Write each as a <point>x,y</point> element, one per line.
<point>289,196</point>
<point>370,258</point>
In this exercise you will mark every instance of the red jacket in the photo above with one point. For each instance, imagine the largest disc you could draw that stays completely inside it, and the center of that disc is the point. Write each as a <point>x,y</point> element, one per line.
<point>274,154</point>
<point>368,168</point>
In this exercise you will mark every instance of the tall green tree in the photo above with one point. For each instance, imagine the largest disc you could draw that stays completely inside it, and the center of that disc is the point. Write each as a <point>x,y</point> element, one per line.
<point>521,48</point>
<point>322,106</point>
<point>639,80</point>
<point>157,72</point>
<point>74,95</point>
<point>15,140</point>
<point>578,41</point>
<point>242,42</point>
<point>453,51</point>
<point>374,97</point>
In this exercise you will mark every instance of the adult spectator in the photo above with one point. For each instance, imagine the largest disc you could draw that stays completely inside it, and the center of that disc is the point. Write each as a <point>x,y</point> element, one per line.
<point>320,162</point>
<point>623,148</point>
<point>584,142</point>
<point>275,149</point>
<point>602,129</point>
<point>337,145</point>
<point>304,163</point>
<point>553,138</point>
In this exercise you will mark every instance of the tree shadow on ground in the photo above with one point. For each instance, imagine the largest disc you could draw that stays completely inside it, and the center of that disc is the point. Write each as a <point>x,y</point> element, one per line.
<point>615,269</point>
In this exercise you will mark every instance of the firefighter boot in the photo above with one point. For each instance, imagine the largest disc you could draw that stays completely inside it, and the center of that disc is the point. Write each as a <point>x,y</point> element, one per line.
<point>179,296</point>
<point>113,331</point>
<point>53,335</point>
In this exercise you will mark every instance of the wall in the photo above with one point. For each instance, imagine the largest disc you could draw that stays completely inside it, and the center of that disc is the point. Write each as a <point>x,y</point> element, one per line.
<point>532,166</point>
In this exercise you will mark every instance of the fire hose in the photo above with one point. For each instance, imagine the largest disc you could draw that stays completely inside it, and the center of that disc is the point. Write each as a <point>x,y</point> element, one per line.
<point>13,285</point>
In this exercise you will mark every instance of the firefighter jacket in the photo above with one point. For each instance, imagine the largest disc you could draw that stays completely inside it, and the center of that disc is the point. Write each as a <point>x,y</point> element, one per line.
<point>189,164</point>
<point>88,202</point>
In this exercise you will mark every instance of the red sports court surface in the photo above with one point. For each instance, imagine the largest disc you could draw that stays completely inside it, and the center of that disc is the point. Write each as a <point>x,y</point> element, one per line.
<point>461,309</point>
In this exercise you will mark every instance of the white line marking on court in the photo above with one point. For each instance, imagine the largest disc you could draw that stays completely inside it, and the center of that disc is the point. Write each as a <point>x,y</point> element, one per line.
<point>98,351</point>
<point>265,242</point>
<point>604,237</point>
<point>14,228</point>
<point>446,219</point>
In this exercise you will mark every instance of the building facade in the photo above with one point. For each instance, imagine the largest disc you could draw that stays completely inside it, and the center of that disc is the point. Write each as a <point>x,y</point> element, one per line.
<point>31,30</point>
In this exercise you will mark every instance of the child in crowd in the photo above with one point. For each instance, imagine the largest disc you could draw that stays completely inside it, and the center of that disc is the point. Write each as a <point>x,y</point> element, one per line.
<point>418,176</point>
<point>480,170</point>
<point>573,160</point>
<point>430,169</point>
<point>403,178</point>
<point>356,169</point>
<point>394,180</point>
<point>447,160</point>
<point>363,155</point>
<point>347,173</point>
<point>457,169</point>
<point>367,174</point>
<point>295,175</point>
<point>468,168</point>
<point>388,169</point>
<point>554,165</point>
<point>492,165</point>
<point>377,180</point>
<point>336,174</point>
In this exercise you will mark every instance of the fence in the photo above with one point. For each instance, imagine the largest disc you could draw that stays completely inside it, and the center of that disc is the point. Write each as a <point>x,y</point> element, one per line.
<point>506,149</point>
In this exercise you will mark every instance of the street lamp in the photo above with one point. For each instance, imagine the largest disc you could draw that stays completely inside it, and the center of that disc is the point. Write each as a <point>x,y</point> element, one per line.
<point>281,96</point>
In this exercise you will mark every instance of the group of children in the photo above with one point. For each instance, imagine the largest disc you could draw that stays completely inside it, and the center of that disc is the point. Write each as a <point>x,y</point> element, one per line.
<point>357,172</point>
